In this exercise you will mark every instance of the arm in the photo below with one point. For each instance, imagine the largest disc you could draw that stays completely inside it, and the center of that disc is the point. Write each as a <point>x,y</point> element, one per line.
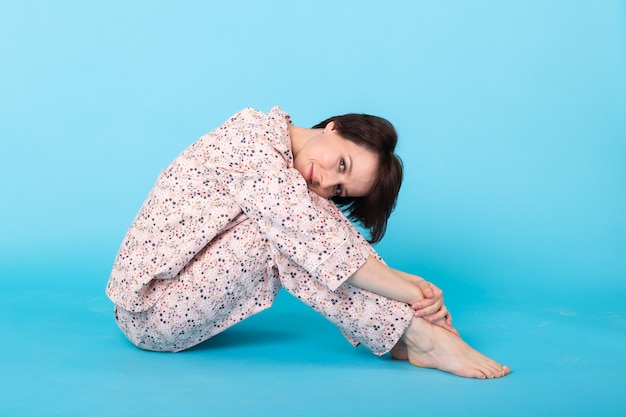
<point>378,278</point>
<point>425,298</point>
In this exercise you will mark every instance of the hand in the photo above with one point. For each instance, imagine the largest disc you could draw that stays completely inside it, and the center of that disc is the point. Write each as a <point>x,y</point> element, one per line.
<point>432,308</point>
<point>432,303</point>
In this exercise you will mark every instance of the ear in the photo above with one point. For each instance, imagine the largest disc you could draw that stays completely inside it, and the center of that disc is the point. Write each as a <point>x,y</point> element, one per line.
<point>330,126</point>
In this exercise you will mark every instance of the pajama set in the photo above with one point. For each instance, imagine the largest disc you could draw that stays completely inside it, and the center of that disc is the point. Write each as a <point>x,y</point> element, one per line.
<point>228,224</point>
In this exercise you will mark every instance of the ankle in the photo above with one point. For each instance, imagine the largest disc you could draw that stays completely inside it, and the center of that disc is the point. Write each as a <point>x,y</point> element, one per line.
<point>419,335</point>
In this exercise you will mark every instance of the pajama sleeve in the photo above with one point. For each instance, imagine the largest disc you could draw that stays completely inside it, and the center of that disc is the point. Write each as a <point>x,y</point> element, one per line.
<point>300,224</point>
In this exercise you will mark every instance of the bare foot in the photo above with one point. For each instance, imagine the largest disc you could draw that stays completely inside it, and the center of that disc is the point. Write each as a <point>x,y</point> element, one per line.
<point>400,350</point>
<point>430,346</point>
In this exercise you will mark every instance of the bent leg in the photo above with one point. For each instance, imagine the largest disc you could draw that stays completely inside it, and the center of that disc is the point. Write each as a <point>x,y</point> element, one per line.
<point>225,283</point>
<point>362,316</point>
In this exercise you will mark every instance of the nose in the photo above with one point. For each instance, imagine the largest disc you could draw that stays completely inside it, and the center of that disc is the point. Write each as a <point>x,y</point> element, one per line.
<point>327,184</point>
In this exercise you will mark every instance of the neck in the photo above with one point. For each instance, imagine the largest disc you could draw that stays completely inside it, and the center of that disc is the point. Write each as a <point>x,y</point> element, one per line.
<point>299,137</point>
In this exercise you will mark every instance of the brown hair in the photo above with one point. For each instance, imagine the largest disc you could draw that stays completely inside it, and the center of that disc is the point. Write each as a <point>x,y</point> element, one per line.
<point>379,136</point>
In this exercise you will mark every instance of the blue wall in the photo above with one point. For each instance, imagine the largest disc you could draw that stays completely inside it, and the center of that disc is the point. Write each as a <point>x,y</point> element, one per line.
<point>512,117</point>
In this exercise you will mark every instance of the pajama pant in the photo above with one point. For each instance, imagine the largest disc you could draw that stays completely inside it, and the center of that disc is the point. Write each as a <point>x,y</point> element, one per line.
<point>220,288</point>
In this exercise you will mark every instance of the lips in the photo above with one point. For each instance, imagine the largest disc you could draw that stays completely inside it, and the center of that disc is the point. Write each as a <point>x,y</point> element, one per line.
<point>309,178</point>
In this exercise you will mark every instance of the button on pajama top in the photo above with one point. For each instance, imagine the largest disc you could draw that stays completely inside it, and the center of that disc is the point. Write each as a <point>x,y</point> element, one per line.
<point>226,225</point>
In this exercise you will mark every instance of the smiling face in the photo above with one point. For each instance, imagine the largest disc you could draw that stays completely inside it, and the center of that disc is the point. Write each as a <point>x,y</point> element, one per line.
<point>334,166</point>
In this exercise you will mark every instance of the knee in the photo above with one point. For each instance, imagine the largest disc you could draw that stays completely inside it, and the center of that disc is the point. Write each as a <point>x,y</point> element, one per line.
<point>140,330</point>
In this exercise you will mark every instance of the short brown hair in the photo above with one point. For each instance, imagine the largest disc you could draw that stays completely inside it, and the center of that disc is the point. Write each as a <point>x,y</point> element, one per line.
<point>379,136</point>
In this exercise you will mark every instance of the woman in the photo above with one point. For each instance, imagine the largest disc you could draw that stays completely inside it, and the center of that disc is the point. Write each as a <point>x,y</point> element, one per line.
<point>248,209</point>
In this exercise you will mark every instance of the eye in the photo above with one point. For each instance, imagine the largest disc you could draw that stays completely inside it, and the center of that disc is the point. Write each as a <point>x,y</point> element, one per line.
<point>342,165</point>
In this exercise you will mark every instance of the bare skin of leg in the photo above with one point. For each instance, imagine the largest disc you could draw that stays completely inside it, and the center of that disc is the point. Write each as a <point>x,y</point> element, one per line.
<point>430,346</point>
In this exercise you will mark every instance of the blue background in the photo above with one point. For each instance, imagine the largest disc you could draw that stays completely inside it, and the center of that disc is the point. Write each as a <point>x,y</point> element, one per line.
<point>512,124</point>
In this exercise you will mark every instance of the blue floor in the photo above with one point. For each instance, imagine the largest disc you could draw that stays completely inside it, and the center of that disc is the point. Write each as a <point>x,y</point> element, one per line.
<point>64,356</point>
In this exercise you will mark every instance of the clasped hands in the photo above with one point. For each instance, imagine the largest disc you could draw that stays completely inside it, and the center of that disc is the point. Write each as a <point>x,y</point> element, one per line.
<point>431,307</point>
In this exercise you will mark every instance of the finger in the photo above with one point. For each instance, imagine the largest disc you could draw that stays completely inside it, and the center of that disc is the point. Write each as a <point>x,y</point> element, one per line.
<point>421,304</point>
<point>425,302</point>
<point>432,310</point>
<point>436,290</point>
<point>426,289</point>
<point>428,306</point>
<point>439,315</point>
<point>449,318</point>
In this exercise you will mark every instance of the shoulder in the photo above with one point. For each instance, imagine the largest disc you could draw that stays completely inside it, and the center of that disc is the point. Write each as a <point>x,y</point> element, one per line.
<point>275,114</point>
<point>250,120</point>
<point>276,120</point>
<point>271,127</point>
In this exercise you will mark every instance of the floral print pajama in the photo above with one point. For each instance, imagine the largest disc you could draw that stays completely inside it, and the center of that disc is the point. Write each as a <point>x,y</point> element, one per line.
<point>228,224</point>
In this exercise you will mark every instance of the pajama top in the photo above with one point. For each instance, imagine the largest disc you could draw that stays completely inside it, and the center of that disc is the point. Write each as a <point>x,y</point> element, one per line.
<point>243,170</point>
